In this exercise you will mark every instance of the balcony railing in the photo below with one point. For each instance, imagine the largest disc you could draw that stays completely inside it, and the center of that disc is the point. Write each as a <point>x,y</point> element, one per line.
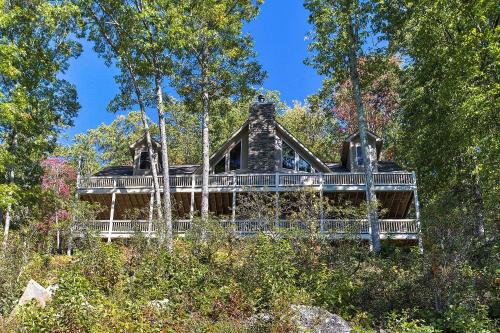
<point>277,180</point>
<point>126,228</point>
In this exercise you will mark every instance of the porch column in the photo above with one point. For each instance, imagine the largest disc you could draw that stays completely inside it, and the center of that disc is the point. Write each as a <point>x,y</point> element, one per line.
<point>321,212</point>
<point>233,206</point>
<point>150,214</point>
<point>276,199</point>
<point>111,215</point>
<point>417,213</point>
<point>191,207</point>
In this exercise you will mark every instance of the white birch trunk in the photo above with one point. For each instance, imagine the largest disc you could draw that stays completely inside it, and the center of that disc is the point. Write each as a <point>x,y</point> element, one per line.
<point>167,205</point>
<point>370,189</point>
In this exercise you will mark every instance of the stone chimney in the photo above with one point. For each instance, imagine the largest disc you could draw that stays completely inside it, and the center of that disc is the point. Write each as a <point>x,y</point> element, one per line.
<point>263,154</point>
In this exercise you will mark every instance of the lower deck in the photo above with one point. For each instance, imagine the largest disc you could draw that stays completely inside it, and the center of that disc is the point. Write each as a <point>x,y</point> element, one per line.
<point>396,229</point>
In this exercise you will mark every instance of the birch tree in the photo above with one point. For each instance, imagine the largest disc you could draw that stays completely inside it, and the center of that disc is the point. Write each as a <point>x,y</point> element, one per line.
<point>340,30</point>
<point>214,60</point>
<point>114,44</point>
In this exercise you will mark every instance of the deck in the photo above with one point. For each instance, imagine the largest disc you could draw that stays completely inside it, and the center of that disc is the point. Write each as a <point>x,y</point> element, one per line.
<point>280,182</point>
<point>395,190</point>
<point>333,228</point>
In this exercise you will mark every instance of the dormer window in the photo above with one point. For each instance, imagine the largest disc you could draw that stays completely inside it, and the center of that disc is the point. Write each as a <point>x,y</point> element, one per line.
<point>359,155</point>
<point>144,162</point>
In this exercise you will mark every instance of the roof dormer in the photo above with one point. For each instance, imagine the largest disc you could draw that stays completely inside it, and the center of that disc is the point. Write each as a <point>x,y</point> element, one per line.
<point>351,152</point>
<point>140,156</point>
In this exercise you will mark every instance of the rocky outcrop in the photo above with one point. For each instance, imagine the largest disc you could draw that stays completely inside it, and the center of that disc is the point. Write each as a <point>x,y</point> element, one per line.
<point>34,291</point>
<point>318,320</point>
<point>307,319</point>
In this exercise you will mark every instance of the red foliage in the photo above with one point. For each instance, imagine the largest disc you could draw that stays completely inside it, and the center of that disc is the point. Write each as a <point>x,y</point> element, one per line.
<point>380,98</point>
<point>58,177</point>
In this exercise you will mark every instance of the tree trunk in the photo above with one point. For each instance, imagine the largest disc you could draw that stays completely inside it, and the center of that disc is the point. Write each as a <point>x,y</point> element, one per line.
<point>167,205</point>
<point>6,227</point>
<point>8,213</point>
<point>206,152</point>
<point>149,143</point>
<point>370,190</point>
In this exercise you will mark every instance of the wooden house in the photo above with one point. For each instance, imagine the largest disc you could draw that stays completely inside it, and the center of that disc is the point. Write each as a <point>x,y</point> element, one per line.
<point>262,156</point>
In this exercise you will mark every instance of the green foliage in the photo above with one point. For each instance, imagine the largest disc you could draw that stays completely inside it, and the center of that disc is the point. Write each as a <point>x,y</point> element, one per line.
<point>76,307</point>
<point>318,131</point>
<point>35,103</point>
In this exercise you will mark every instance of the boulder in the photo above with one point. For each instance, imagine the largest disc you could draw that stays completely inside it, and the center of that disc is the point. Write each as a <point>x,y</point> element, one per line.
<point>35,291</point>
<point>318,320</point>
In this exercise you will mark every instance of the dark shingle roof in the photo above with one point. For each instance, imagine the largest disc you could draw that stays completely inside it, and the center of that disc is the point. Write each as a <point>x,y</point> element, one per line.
<point>383,166</point>
<point>129,170</point>
<point>188,169</point>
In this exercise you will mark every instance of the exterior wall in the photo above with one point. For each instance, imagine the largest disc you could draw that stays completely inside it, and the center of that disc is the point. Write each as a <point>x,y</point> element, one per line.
<point>352,164</point>
<point>263,150</point>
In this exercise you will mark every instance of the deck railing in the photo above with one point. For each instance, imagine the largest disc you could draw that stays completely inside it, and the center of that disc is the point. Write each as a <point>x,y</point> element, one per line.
<point>249,180</point>
<point>328,226</point>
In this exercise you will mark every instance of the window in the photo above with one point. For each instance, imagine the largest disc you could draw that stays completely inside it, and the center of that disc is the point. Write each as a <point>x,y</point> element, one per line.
<point>303,165</point>
<point>359,155</point>
<point>144,161</point>
<point>235,157</point>
<point>288,157</point>
<point>220,167</point>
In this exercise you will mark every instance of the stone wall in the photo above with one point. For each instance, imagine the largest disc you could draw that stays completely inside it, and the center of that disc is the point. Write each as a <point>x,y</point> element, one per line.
<point>263,153</point>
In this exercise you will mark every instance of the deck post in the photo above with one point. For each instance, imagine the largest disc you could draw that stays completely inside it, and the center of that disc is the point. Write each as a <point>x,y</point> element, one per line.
<point>276,199</point>
<point>191,206</point>
<point>233,206</point>
<point>321,212</point>
<point>417,213</point>
<point>150,214</point>
<point>111,216</point>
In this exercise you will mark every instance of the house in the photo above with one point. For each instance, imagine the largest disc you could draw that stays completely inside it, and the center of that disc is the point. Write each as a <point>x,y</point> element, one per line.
<point>261,156</point>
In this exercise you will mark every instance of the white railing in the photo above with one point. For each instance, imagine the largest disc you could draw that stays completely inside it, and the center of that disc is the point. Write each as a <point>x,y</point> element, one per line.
<point>328,226</point>
<point>250,180</point>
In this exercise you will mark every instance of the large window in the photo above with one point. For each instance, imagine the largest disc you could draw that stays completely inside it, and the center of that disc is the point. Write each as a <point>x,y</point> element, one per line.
<point>359,155</point>
<point>220,167</point>
<point>235,157</point>
<point>288,157</point>
<point>293,161</point>
<point>303,165</point>
<point>144,162</point>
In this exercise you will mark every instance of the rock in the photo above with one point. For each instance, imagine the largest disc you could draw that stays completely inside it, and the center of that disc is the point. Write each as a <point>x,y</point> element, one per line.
<point>35,291</point>
<point>159,304</point>
<point>259,319</point>
<point>318,320</point>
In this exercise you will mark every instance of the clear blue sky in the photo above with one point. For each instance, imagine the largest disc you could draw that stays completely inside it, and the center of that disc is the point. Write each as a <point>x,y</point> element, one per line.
<point>278,33</point>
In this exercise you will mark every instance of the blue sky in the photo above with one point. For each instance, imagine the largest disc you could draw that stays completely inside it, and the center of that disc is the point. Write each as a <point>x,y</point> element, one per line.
<point>278,33</point>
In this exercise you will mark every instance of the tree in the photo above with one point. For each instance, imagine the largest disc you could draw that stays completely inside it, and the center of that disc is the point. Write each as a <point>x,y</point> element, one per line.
<point>35,103</point>
<point>214,60</point>
<point>114,44</point>
<point>449,117</point>
<point>58,178</point>
<point>340,28</point>
<point>317,130</point>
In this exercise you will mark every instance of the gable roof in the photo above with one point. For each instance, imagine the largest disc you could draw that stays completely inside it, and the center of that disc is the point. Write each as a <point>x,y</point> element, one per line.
<point>222,148</point>
<point>309,154</point>
<point>345,144</point>
<point>281,131</point>
<point>142,142</point>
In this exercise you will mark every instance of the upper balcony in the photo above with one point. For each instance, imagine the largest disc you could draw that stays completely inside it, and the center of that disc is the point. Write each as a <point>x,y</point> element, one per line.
<point>275,182</point>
